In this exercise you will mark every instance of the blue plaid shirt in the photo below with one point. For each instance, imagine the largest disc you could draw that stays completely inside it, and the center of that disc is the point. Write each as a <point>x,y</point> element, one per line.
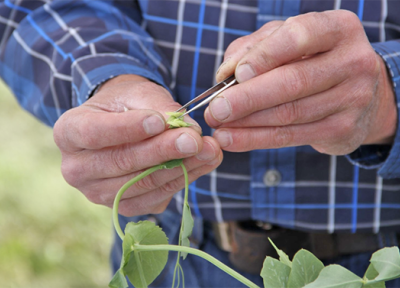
<point>54,54</point>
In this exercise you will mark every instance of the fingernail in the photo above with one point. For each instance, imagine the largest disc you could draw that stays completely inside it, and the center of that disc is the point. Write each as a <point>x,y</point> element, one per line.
<point>244,72</point>
<point>223,64</point>
<point>220,108</point>
<point>224,138</point>
<point>207,153</point>
<point>186,144</point>
<point>153,125</point>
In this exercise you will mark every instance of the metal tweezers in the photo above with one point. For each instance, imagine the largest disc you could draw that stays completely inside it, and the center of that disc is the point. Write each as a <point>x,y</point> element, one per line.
<point>212,93</point>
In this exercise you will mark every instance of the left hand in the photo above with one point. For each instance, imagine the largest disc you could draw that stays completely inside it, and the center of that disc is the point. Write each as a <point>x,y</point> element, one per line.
<point>311,80</point>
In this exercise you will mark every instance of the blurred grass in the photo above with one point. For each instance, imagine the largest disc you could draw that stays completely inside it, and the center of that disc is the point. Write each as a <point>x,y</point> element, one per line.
<point>50,235</point>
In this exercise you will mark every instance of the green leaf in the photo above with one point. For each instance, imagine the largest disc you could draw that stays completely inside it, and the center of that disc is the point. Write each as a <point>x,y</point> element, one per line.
<point>275,274</point>
<point>143,266</point>
<point>282,255</point>
<point>336,276</point>
<point>305,269</point>
<point>175,120</point>
<point>386,262</point>
<point>175,114</point>
<point>371,274</point>
<point>187,227</point>
<point>119,280</point>
<point>172,164</point>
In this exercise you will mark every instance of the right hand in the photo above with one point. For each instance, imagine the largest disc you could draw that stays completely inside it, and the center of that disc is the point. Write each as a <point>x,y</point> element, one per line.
<point>118,133</point>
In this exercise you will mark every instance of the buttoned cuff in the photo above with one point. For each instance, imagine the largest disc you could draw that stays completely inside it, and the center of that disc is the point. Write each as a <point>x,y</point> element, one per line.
<point>90,72</point>
<point>384,157</point>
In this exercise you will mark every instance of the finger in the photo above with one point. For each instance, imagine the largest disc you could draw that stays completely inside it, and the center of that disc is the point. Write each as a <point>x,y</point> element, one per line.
<point>151,201</point>
<point>300,111</point>
<point>137,205</point>
<point>299,36</point>
<point>238,48</point>
<point>126,159</point>
<point>281,85</point>
<point>322,134</point>
<point>166,179</point>
<point>85,128</point>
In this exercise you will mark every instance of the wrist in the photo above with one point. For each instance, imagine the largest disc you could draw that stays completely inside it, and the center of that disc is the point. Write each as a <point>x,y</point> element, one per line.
<point>120,79</point>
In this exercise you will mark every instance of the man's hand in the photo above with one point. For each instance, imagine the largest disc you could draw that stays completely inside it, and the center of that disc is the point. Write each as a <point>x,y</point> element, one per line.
<point>311,80</point>
<point>118,133</point>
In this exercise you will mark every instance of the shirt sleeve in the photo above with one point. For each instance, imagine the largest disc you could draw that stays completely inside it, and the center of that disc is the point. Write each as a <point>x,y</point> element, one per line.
<point>384,157</point>
<point>54,54</point>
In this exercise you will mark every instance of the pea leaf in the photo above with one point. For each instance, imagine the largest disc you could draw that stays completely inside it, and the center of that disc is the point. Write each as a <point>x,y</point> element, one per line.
<point>172,164</point>
<point>187,227</point>
<point>336,276</point>
<point>386,262</point>
<point>175,114</point>
<point>175,120</point>
<point>142,267</point>
<point>275,274</point>
<point>119,280</point>
<point>283,257</point>
<point>371,274</point>
<point>305,269</point>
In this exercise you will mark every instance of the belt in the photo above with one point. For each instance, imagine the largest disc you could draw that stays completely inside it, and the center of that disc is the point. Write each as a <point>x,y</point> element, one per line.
<point>248,245</point>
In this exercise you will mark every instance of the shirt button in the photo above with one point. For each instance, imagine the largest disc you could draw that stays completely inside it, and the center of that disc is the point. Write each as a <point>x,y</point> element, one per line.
<point>272,178</point>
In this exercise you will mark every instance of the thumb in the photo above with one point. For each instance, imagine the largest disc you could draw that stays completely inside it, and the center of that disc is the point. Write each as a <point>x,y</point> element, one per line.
<point>240,47</point>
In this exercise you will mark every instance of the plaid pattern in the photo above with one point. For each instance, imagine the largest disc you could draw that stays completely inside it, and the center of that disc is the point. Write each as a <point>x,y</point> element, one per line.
<point>65,49</point>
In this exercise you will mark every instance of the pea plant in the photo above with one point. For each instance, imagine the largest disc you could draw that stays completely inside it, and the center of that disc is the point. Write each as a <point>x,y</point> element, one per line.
<point>145,252</point>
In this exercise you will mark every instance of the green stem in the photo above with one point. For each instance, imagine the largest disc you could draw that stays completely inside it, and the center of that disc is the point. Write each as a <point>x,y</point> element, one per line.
<point>122,191</point>
<point>204,255</point>
<point>140,268</point>
<point>185,201</point>
<point>186,182</point>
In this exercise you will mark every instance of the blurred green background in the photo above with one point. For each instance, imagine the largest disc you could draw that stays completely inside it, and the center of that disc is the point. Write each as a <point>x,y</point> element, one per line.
<point>50,234</point>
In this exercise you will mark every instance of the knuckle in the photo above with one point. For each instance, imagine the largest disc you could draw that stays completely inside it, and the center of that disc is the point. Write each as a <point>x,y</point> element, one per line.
<point>148,183</point>
<point>287,113</point>
<point>263,60</point>
<point>124,158</point>
<point>237,44</point>
<point>71,173</point>
<point>294,82</point>
<point>58,132</point>
<point>349,18</point>
<point>62,130</point>
<point>171,187</point>
<point>365,61</point>
<point>369,61</point>
<point>282,137</point>
<point>298,34</point>
<point>93,196</point>
<point>272,24</point>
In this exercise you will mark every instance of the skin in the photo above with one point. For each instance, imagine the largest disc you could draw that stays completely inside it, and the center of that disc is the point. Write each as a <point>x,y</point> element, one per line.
<point>313,79</point>
<point>120,132</point>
